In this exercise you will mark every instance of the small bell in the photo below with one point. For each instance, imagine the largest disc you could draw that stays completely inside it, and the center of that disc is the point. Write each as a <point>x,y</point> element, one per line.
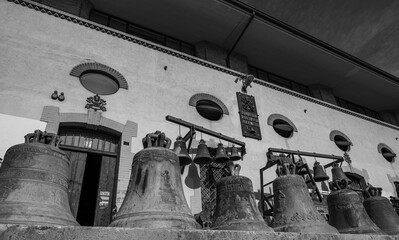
<point>221,156</point>
<point>301,167</point>
<point>181,151</point>
<point>338,174</point>
<point>203,156</point>
<point>234,154</point>
<point>319,173</point>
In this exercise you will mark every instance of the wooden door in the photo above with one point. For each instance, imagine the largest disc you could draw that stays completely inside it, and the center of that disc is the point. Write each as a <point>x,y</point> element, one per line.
<point>106,188</point>
<point>78,163</point>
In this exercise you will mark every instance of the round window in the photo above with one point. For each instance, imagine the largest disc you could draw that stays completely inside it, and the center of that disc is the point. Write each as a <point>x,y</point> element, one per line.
<point>99,83</point>
<point>387,154</point>
<point>209,110</point>
<point>342,143</point>
<point>283,128</point>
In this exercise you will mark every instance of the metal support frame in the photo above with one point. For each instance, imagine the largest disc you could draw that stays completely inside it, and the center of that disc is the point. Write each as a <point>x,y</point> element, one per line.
<point>274,159</point>
<point>194,128</point>
<point>191,133</point>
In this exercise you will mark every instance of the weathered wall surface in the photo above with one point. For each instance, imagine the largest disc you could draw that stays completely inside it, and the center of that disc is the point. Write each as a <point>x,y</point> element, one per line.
<point>38,51</point>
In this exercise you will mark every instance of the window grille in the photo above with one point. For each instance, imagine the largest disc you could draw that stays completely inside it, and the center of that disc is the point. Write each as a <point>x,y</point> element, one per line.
<point>210,175</point>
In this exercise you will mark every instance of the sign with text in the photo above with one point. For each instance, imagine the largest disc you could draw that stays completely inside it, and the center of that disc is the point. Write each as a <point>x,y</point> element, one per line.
<point>249,116</point>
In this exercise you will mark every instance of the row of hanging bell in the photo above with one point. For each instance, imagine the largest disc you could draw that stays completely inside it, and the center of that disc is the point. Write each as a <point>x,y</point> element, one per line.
<point>203,156</point>
<point>318,171</point>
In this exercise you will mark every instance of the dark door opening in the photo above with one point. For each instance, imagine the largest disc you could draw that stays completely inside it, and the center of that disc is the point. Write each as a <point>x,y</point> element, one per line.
<point>88,196</point>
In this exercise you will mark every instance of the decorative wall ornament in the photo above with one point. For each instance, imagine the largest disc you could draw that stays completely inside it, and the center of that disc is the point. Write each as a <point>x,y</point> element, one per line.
<point>347,158</point>
<point>61,97</point>
<point>96,103</point>
<point>246,81</point>
<point>55,96</point>
<point>249,116</point>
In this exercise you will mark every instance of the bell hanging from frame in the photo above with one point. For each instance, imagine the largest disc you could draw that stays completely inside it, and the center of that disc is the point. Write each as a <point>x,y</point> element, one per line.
<point>319,173</point>
<point>203,156</point>
<point>294,210</point>
<point>221,156</point>
<point>338,174</point>
<point>181,151</point>
<point>235,156</point>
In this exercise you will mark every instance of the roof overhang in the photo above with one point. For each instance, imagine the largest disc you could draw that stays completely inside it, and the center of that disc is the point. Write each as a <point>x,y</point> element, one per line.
<point>268,43</point>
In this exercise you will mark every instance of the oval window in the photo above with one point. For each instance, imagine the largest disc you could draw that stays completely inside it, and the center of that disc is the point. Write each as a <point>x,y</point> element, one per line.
<point>99,83</point>
<point>209,110</point>
<point>283,128</point>
<point>387,154</point>
<point>342,143</point>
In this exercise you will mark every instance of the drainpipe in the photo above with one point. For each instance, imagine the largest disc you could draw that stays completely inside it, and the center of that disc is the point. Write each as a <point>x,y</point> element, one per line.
<point>239,38</point>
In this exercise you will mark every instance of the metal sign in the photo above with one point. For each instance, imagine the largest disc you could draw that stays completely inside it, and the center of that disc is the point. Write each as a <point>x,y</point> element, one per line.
<point>248,116</point>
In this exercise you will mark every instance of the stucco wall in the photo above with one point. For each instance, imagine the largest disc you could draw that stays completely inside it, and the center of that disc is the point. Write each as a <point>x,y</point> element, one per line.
<point>38,51</point>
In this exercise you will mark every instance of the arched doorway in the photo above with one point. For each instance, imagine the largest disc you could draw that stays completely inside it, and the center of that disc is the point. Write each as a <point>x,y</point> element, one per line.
<point>94,167</point>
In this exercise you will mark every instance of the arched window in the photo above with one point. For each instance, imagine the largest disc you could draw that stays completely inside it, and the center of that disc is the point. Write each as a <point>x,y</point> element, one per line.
<point>386,152</point>
<point>282,125</point>
<point>99,78</point>
<point>341,140</point>
<point>208,106</point>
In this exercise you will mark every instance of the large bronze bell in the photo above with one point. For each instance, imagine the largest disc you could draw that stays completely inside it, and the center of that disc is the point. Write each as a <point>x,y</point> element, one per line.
<point>234,154</point>
<point>221,156</point>
<point>319,173</point>
<point>294,210</point>
<point>203,156</point>
<point>235,204</point>
<point>155,198</point>
<point>381,211</point>
<point>34,181</point>
<point>346,210</point>
<point>181,151</point>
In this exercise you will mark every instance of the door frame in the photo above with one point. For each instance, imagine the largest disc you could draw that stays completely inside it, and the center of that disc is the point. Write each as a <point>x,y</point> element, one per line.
<point>116,155</point>
<point>94,120</point>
